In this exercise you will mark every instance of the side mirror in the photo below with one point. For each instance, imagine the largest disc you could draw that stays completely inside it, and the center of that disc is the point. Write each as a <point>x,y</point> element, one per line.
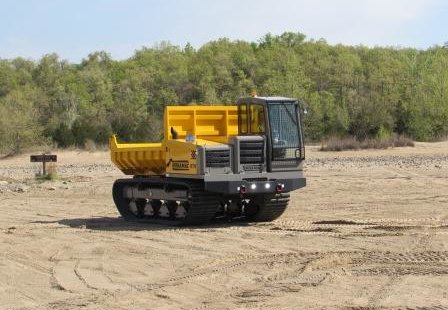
<point>303,107</point>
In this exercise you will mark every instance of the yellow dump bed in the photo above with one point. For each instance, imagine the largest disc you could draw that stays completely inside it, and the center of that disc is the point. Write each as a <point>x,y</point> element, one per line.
<point>206,123</point>
<point>137,158</point>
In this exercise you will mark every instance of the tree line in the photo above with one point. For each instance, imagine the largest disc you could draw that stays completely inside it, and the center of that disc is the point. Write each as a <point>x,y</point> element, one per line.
<point>349,90</point>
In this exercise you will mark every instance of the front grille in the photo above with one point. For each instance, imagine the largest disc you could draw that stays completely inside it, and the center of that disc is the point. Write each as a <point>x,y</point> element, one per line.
<point>251,152</point>
<point>217,158</point>
<point>252,155</point>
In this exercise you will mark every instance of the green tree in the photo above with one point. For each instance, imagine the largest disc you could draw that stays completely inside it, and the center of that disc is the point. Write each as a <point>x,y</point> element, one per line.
<point>19,127</point>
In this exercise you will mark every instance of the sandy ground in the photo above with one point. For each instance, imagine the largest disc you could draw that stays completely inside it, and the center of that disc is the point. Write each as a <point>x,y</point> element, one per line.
<point>370,231</point>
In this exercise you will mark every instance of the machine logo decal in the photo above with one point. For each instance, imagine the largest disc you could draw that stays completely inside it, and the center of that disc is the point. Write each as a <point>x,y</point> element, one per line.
<point>181,165</point>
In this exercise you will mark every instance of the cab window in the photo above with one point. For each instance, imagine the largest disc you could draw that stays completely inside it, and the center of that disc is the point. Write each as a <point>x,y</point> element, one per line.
<point>242,119</point>
<point>257,119</point>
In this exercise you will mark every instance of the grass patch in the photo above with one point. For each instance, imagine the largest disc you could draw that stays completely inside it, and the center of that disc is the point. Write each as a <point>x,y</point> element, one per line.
<point>92,146</point>
<point>46,177</point>
<point>335,144</point>
<point>51,175</point>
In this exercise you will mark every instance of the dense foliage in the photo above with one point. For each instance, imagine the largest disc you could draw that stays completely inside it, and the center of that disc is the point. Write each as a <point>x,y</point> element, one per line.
<point>358,91</point>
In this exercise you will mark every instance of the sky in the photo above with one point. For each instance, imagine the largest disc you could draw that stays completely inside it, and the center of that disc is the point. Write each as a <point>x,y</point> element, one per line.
<point>75,28</point>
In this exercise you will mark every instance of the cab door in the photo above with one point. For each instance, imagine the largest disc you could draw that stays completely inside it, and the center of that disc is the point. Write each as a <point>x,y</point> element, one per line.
<point>251,143</point>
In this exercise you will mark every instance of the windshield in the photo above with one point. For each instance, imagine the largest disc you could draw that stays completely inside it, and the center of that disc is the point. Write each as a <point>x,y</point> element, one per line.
<point>285,130</point>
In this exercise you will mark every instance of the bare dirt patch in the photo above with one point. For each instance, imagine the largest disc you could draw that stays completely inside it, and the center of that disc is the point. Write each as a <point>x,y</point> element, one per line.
<point>368,232</point>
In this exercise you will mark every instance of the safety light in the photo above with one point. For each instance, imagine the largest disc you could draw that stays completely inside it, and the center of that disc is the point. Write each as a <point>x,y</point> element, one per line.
<point>279,188</point>
<point>242,189</point>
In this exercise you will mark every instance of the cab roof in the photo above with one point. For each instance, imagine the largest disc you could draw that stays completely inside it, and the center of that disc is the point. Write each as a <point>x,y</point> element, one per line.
<point>265,99</point>
<point>276,98</point>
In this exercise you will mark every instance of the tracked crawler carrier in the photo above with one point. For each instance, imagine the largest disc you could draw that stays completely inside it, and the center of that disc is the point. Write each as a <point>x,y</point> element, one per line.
<point>214,162</point>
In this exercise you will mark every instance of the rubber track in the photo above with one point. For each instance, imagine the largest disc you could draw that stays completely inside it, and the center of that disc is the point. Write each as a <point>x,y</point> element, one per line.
<point>203,207</point>
<point>121,203</point>
<point>202,210</point>
<point>271,207</point>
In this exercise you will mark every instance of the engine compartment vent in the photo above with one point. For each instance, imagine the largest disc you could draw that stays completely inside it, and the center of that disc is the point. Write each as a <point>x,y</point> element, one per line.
<point>251,152</point>
<point>217,158</point>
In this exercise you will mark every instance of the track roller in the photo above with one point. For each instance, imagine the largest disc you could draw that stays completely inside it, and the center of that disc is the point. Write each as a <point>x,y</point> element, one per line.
<point>200,208</point>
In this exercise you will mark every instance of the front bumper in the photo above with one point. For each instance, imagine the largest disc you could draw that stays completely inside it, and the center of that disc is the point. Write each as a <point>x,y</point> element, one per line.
<point>254,186</point>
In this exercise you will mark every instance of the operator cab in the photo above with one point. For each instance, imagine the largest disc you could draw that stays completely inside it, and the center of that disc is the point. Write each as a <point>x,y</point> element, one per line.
<point>278,121</point>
